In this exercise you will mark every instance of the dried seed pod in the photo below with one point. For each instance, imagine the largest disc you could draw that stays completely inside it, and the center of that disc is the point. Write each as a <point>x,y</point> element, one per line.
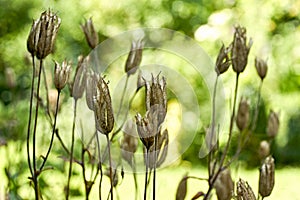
<point>264,149</point>
<point>156,99</point>
<point>52,97</point>
<point>182,189</point>
<point>134,57</point>
<point>103,108</point>
<point>91,35</point>
<point>244,191</point>
<point>49,25</point>
<point>242,117</point>
<point>273,124</point>
<point>267,177</point>
<point>223,61</point>
<point>240,49</point>
<point>224,185</point>
<point>145,130</point>
<point>261,67</point>
<point>79,82</point>
<point>61,74</point>
<point>33,37</point>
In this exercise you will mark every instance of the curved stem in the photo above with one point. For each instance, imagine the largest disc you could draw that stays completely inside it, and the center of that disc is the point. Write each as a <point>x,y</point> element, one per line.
<point>146,174</point>
<point>53,131</point>
<point>110,167</point>
<point>30,115</point>
<point>72,151</point>
<point>36,173</point>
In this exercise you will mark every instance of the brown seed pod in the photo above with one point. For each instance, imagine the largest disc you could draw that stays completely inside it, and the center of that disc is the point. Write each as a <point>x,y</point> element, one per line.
<point>61,74</point>
<point>261,67</point>
<point>223,61</point>
<point>244,191</point>
<point>224,185</point>
<point>264,149</point>
<point>134,57</point>
<point>267,177</point>
<point>242,117</point>
<point>182,189</point>
<point>240,49</point>
<point>90,34</point>
<point>273,124</point>
<point>145,130</point>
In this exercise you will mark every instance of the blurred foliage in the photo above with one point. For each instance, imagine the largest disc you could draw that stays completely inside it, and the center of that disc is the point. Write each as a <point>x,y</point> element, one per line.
<point>274,25</point>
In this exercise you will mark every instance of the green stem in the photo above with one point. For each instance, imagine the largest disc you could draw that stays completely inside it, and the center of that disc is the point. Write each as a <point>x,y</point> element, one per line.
<point>53,131</point>
<point>110,168</point>
<point>29,118</point>
<point>72,151</point>
<point>36,173</point>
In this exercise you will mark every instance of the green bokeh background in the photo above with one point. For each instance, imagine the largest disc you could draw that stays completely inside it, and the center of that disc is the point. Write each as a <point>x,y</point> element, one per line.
<point>274,26</point>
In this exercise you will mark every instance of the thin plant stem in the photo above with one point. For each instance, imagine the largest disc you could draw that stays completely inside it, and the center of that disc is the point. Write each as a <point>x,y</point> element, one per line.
<point>154,170</point>
<point>210,155</point>
<point>99,165</point>
<point>47,94</point>
<point>110,167</point>
<point>122,97</point>
<point>30,115</point>
<point>35,175</point>
<point>221,168</point>
<point>72,151</point>
<point>53,131</point>
<point>134,177</point>
<point>61,142</point>
<point>146,174</point>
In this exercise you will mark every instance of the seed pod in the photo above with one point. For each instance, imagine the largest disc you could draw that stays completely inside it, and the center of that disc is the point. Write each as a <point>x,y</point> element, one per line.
<point>264,149</point>
<point>224,185</point>
<point>90,90</point>
<point>240,49</point>
<point>134,57</point>
<point>91,35</point>
<point>49,25</point>
<point>156,99</point>
<point>61,74</point>
<point>261,67</point>
<point>33,37</point>
<point>267,177</point>
<point>145,130</point>
<point>103,108</point>
<point>244,191</point>
<point>242,117</point>
<point>223,61</point>
<point>273,124</point>
<point>79,82</point>
<point>182,189</point>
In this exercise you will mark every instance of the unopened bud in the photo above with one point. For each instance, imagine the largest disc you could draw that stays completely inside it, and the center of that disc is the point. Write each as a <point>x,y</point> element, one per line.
<point>223,61</point>
<point>267,177</point>
<point>61,74</point>
<point>103,108</point>
<point>135,57</point>
<point>242,117</point>
<point>273,124</point>
<point>182,189</point>
<point>264,149</point>
<point>224,185</point>
<point>261,67</point>
<point>244,191</point>
<point>240,49</point>
<point>91,35</point>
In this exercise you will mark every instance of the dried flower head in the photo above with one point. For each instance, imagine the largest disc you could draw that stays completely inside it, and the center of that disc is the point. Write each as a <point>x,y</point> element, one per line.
<point>264,149</point>
<point>244,191</point>
<point>42,35</point>
<point>242,117</point>
<point>103,108</point>
<point>261,67</point>
<point>61,74</point>
<point>91,35</point>
<point>134,57</point>
<point>145,130</point>
<point>223,61</point>
<point>224,185</point>
<point>90,89</point>
<point>79,82</point>
<point>267,177</point>
<point>240,49</point>
<point>156,99</point>
<point>273,124</point>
